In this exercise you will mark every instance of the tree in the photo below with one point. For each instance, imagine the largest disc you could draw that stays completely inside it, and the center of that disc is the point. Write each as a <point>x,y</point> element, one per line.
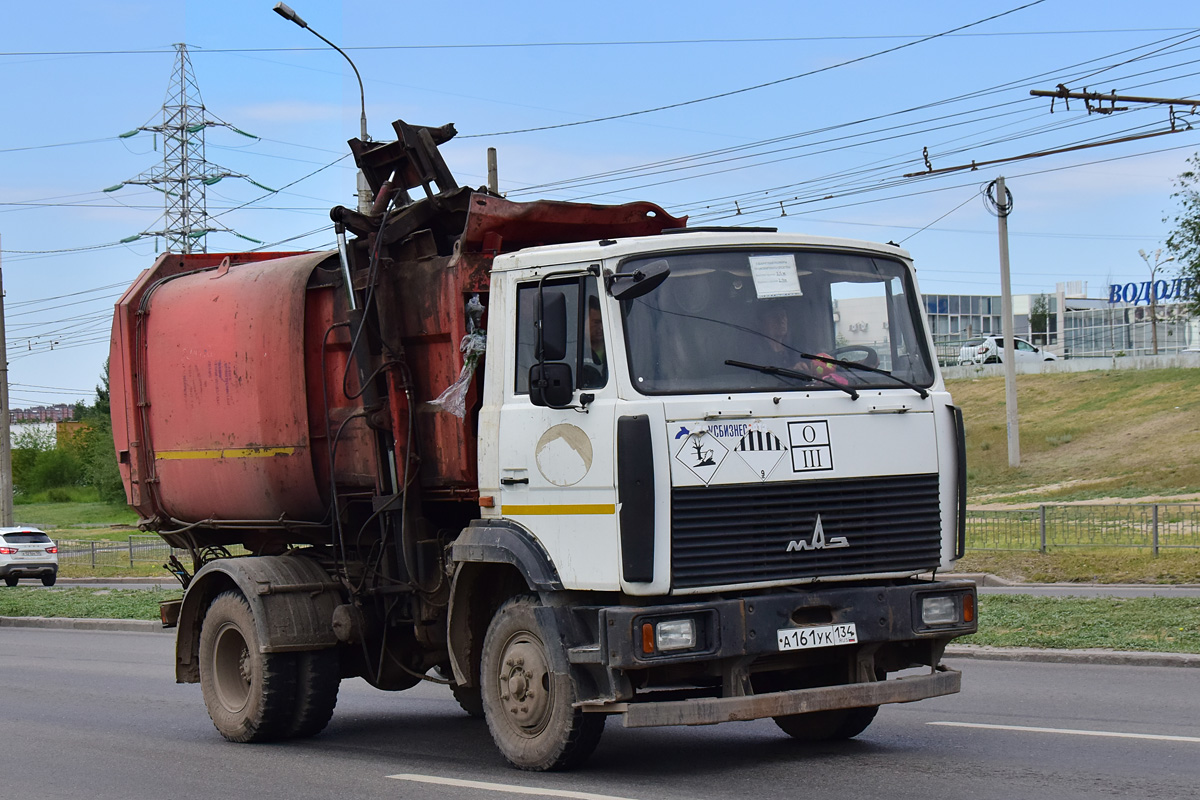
<point>1184,241</point>
<point>95,446</point>
<point>1039,320</point>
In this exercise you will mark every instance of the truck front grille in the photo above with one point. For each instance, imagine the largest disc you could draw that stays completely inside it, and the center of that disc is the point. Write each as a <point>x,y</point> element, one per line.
<point>752,533</point>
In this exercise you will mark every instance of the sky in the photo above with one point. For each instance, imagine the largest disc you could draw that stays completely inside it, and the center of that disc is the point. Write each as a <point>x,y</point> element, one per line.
<point>801,115</point>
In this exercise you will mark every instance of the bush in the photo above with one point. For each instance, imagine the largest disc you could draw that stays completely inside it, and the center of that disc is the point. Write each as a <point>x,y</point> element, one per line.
<point>53,469</point>
<point>58,495</point>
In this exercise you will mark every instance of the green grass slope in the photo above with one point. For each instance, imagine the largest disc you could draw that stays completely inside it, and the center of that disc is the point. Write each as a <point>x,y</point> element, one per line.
<point>1087,435</point>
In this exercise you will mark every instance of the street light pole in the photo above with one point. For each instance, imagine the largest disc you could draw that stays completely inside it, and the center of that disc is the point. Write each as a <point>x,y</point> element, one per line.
<point>364,190</point>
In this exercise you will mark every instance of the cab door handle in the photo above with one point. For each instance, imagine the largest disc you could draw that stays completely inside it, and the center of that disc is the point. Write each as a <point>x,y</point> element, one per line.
<point>513,481</point>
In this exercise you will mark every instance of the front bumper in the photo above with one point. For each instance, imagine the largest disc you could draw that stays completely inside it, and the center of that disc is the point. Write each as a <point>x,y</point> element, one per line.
<point>737,652</point>
<point>709,711</point>
<point>747,626</point>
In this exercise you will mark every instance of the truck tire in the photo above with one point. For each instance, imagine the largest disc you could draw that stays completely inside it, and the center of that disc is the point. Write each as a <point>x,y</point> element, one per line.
<point>318,676</point>
<point>824,726</point>
<point>470,699</point>
<point>530,708</point>
<point>250,695</point>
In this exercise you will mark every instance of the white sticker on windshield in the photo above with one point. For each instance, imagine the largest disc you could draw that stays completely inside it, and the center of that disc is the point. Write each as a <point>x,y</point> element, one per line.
<point>775,276</point>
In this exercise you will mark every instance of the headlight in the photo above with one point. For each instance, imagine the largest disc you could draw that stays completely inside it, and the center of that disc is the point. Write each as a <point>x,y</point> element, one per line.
<point>939,611</point>
<point>667,635</point>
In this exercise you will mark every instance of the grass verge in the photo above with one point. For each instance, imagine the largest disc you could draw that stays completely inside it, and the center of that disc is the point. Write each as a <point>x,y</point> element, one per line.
<point>1160,624</point>
<point>61,516</point>
<point>1087,565</point>
<point>84,603</point>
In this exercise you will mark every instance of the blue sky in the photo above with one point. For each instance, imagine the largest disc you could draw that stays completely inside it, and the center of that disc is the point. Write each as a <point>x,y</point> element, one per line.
<point>826,140</point>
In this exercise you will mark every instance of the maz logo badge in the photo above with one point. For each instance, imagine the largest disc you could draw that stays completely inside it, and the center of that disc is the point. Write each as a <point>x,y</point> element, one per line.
<point>818,541</point>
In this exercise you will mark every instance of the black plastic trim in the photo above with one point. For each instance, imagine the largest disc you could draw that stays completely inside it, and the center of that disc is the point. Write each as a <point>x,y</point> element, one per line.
<point>501,541</point>
<point>635,489</point>
<point>960,442</point>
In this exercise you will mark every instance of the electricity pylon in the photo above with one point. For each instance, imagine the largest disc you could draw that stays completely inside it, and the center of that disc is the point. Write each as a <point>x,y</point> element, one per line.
<point>185,172</point>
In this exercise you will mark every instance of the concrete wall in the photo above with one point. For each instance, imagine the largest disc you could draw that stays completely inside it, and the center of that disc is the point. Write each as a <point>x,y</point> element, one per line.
<point>1164,361</point>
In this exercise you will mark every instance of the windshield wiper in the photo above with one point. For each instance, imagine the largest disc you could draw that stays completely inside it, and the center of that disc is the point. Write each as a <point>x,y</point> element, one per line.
<point>854,365</point>
<point>792,373</point>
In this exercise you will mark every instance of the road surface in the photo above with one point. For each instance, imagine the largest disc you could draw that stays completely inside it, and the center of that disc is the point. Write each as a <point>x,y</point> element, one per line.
<point>97,715</point>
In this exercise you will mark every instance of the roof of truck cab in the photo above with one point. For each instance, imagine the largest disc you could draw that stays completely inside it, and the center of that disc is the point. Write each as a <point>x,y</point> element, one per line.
<point>593,250</point>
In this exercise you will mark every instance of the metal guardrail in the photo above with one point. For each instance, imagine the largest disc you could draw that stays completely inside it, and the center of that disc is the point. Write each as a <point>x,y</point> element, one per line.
<point>1153,526</point>
<point>143,548</point>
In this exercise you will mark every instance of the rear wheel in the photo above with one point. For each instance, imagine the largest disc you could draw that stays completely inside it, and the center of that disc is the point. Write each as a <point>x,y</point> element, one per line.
<point>250,695</point>
<point>318,676</point>
<point>530,708</point>
<point>48,580</point>
<point>11,580</point>
<point>823,726</point>
<point>470,699</point>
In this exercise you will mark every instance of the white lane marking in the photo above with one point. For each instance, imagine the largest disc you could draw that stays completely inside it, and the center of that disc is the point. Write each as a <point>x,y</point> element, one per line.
<point>1070,731</point>
<point>505,787</point>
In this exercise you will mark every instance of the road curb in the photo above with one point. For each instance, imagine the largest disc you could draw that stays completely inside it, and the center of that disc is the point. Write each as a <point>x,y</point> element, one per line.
<point>1119,658</point>
<point>77,624</point>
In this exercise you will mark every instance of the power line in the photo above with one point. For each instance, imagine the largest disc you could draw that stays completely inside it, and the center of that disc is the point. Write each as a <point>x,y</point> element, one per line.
<point>776,82</point>
<point>600,43</point>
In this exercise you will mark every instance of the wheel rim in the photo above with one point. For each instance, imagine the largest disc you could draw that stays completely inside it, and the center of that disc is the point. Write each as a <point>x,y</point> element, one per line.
<point>231,668</point>
<point>526,691</point>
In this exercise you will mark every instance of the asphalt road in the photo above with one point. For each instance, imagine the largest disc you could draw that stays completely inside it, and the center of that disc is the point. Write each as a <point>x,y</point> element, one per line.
<point>98,715</point>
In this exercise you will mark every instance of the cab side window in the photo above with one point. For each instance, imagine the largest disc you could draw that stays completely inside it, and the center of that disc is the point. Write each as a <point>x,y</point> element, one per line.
<point>586,349</point>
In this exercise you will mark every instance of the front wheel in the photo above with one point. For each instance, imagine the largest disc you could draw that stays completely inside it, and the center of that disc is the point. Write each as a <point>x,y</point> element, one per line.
<point>250,695</point>
<point>824,726</point>
<point>530,708</point>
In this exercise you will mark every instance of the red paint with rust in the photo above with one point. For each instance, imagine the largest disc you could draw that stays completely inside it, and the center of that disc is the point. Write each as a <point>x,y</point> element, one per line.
<point>230,380</point>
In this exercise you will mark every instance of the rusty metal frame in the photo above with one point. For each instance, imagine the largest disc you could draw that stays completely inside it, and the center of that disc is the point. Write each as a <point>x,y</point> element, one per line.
<point>709,711</point>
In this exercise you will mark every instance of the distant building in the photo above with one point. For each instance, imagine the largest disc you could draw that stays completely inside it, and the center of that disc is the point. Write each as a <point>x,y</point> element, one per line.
<point>56,413</point>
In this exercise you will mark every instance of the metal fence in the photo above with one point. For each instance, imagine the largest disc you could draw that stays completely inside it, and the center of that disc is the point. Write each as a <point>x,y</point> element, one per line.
<point>140,548</point>
<point>1157,527</point>
<point>1161,526</point>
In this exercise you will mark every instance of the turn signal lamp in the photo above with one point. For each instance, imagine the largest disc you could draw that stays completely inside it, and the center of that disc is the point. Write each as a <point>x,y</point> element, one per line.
<point>7,551</point>
<point>968,608</point>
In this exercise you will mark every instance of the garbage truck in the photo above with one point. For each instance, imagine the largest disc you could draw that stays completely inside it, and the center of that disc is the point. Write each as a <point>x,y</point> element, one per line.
<point>574,461</point>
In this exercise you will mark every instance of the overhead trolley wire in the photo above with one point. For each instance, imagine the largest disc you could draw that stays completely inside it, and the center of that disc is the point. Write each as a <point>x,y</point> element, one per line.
<point>764,85</point>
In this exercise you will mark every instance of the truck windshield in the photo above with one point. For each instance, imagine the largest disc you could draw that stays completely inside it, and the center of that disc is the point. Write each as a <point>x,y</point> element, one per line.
<point>778,309</point>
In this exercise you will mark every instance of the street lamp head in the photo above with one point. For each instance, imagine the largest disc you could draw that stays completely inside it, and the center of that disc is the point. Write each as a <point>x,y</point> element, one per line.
<point>284,11</point>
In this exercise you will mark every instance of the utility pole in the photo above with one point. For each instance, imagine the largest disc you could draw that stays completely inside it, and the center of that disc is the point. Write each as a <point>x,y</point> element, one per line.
<point>1002,203</point>
<point>493,172</point>
<point>6,473</point>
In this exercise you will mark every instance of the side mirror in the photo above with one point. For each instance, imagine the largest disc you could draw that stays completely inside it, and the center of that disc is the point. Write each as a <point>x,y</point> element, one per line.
<point>631,285</point>
<point>551,385</point>
<point>552,327</point>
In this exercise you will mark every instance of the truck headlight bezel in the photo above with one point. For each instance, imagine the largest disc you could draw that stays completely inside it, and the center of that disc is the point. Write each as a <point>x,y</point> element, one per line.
<point>944,611</point>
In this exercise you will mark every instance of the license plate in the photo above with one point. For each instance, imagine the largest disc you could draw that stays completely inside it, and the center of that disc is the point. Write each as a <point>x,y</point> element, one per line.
<point>821,636</point>
<point>30,554</point>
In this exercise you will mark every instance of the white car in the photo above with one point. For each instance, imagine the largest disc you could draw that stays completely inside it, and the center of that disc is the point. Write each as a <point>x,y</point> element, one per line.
<point>27,553</point>
<point>990,350</point>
